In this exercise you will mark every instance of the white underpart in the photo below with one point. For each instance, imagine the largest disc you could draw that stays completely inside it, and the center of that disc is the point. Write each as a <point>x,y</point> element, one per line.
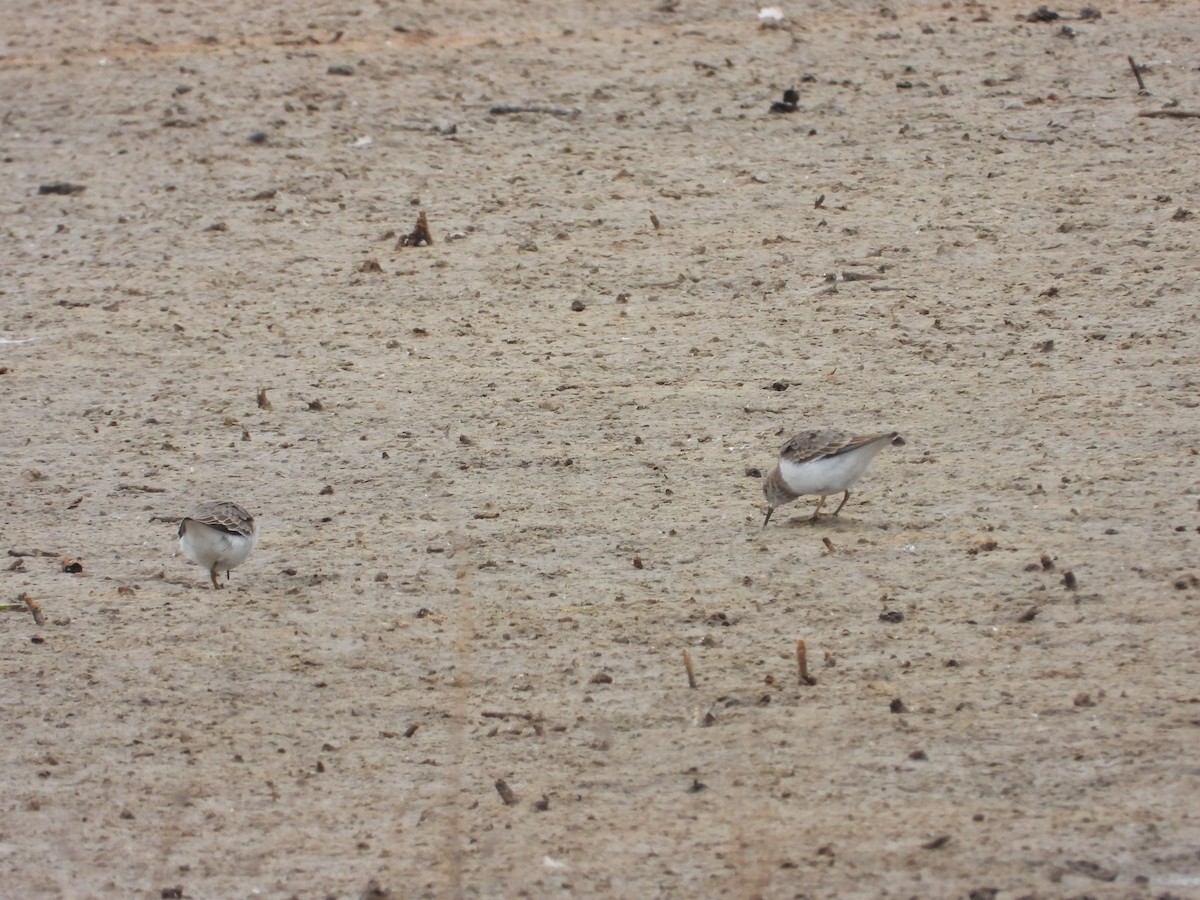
<point>213,548</point>
<point>829,474</point>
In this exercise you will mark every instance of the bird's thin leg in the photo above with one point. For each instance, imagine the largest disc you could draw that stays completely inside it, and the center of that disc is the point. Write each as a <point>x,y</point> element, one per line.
<point>817,511</point>
<point>770,509</point>
<point>843,503</point>
<point>212,573</point>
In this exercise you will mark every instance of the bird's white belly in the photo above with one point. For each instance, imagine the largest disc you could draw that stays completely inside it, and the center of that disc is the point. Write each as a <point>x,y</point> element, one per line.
<point>207,546</point>
<point>828,475</point>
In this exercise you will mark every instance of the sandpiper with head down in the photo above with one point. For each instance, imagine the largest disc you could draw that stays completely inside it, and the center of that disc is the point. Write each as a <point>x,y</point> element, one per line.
<point>218,535</point>
<point>824,463</point>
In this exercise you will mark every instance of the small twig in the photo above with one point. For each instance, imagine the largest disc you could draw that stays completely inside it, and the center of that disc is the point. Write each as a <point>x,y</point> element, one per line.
<point>1027,138</point>
<point>34,607</point>
<point>687,665</point>
<point>1137,75</point>
<point>1170,114</point>
<point>504,109</point>
<point>802,662</point>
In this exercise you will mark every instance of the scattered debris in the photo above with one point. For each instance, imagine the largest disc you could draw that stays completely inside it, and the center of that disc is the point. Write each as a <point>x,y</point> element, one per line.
<point>61,187</point>
<point>789,103</point>
<point>1170,114</point>
<point>420,234</point>
<point>373,890</point>
<point>770,17</point>
<point>506,793</point>
<point>1043,14</point>
<point>1091,870</point>
<point>505,109</point>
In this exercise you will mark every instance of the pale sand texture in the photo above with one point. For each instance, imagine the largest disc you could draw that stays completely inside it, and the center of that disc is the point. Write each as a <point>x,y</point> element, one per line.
<point>449,435</point>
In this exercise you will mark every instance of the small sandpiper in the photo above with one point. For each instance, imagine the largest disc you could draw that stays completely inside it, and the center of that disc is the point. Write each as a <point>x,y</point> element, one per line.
<point>218,535</point>
<point>822,462</point>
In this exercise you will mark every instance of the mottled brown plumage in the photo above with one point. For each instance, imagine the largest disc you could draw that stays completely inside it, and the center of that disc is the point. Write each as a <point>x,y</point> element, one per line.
<point>218,535</point>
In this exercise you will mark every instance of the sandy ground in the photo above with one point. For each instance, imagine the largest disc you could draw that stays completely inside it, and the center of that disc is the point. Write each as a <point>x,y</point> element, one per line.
<point>506,480</point>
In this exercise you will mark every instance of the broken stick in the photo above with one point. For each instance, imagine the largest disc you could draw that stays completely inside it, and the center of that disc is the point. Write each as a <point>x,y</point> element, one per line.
<point>802,662</point>
<point>1137,75</point>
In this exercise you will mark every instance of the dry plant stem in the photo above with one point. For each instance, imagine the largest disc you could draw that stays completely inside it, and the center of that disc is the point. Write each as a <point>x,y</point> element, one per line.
<point>691,673</point>
<point>38,618</point>
<point>1170,114</point>
<point>1137,75</point>
<point>35,608</point>
<point>802,662</point>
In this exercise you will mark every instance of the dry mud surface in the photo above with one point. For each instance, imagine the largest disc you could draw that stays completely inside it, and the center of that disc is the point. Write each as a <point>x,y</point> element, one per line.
<point>505,480</point>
